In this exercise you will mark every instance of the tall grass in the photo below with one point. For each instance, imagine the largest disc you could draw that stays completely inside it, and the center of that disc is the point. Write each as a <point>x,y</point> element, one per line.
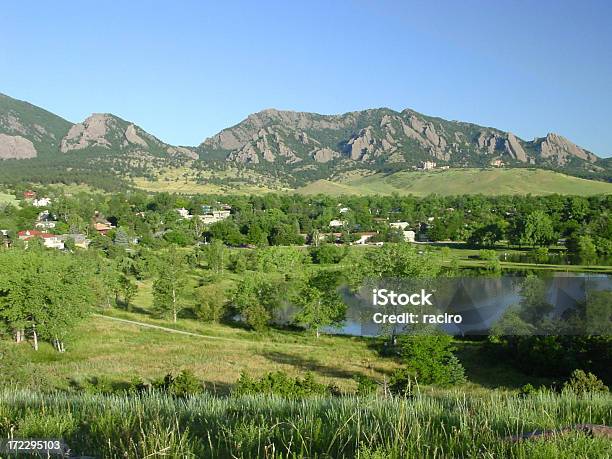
<point>426,426</point>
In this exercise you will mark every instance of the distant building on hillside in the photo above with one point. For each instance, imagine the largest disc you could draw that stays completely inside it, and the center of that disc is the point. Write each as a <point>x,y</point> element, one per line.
<point>52,241</point>
<point>427,165</point>
<point>364,238</point>
<point>101,224</point>
<point>337,223</point>
<point>42,202</point>
<point>29,194</point>
<point>214,216</point>
<point>399,225</point>
<point>184,213</point>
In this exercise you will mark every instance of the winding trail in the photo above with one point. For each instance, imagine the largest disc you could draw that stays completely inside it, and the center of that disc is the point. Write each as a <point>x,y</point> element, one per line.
<point>198,335</point>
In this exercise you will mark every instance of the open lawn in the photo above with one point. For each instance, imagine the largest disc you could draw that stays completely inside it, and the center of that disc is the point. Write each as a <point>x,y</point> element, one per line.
<point>8,199</point>
<point>461,181</point>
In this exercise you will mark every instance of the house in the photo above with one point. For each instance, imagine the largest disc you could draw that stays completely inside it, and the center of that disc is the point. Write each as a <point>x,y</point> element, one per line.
<point>344,210</point>
<point>50,240</point>
<point>45,220</point>
<point>184,213</point>
<point>42,202</point>
<point>103,228</point>
<point>215,216</point>
<point>427,165</point>
<point>399,225</point>
<point>409,236</point>
<point>364,238</point>
<point>80,240</point>
<point>337,223</point>
<point>497,163</point>
<point>101,224</point>
<point>29,194</point>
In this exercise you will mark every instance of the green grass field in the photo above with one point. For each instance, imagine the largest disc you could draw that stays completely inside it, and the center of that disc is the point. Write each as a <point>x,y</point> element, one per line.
<point>8,199</point>
<point>452,425</point>
<point>462,181</point>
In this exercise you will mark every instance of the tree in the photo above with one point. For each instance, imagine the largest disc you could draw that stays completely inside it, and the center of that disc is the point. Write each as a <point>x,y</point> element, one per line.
<point>256,299</point>
<point>538,230</point>
<point>320,303</point>
<point>211,302</point>
<point>44,293</point>
<point>168,295</point>
<point>214,254</point>
<point>128,289</point>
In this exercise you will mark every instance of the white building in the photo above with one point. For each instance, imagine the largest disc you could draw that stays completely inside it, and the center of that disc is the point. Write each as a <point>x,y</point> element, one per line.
<point>215,216</point>
<point>184,213</point>
<point>50,240</point>
<point>42,202</point>
<point>409,236</point>
<point>399,225</point>
<point>428,165</point>
<point>337,223</point>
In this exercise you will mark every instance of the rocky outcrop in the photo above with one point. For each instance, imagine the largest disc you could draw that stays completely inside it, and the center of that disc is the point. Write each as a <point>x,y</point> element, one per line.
<point>16,147</point>
<point>558,149</point>
<point>182,151</point>
<point>89,133</point>
<point>131,136</point>
<point>325,155</point>
<point>492,143</point>
<point>514,148</point>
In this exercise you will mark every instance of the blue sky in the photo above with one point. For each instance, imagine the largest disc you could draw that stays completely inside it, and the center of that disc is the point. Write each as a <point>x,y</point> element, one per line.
<point>183,70</point>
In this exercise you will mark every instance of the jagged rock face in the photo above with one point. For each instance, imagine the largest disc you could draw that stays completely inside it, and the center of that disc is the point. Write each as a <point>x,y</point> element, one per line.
<point>181,151</point>
<point>325,155</point>
<point>16,147</point>
<point>560,150</point>
<point>90,133</point>
<point>112,133</point>
<point>380,135</point>
<point>493,143</point>
<point>131,136</point>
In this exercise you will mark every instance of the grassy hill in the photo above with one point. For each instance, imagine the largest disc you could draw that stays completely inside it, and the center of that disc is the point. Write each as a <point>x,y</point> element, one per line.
<point>462,181</point>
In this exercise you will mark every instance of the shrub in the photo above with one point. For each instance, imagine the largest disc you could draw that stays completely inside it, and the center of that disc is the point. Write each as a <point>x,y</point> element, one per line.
<point>431,359</point>
<point>182,385</point>
<point>365,385</point>
<point>328,254</point>
<point>279,383</point>
<point>402,382</point>
<point>527,390</point>
<point>584,383</point>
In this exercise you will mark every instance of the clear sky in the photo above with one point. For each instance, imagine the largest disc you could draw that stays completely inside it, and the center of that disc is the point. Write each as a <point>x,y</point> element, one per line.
<point>183,70</point>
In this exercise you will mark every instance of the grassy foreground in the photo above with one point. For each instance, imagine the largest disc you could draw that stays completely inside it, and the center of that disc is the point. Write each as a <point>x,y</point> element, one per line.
<point>451,425</point>
<point>462,181</point>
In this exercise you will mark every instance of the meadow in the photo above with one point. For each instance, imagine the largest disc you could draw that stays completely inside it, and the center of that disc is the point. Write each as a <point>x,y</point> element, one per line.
<point>424,426</point>
<point>494,182</point>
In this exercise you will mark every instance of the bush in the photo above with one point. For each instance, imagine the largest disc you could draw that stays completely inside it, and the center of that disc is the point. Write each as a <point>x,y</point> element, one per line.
<point>365,385</point>
<point>584,383</point>
<point>279,383</point>
<point>431,359</point>
<point>527,390</point>
<point>402,382</point>
<point>328,254</point>
<point>182,385</point>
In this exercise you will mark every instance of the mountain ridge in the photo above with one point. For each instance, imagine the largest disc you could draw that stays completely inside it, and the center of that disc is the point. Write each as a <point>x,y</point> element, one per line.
<point>293,147</point>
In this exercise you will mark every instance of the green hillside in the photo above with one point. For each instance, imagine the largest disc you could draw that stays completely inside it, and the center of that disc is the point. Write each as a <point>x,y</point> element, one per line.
<point>462,181</point>
<point>40,126</point>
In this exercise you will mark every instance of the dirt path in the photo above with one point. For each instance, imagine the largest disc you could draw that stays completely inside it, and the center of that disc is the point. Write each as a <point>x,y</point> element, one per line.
<point>198,335</point>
